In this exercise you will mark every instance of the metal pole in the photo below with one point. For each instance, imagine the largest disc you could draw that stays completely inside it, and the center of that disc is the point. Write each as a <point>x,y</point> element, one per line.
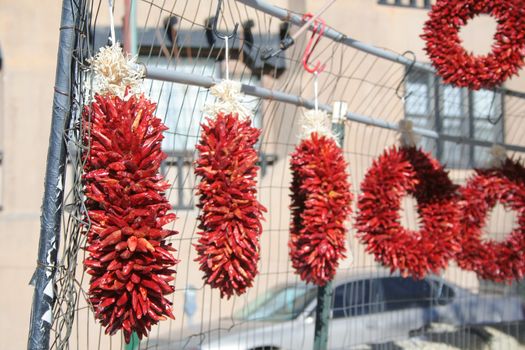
<point>324,294</point>
<point>43,278</point>
<point>322,316</point>
<point>133,27</point>
<point>286,15</point>
<point>275,95</point>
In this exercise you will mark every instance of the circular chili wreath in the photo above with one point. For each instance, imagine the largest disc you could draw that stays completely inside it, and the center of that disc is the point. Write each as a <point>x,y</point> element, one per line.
<point>497,261</point>
<point>461,68</point>
<point>397,172</point>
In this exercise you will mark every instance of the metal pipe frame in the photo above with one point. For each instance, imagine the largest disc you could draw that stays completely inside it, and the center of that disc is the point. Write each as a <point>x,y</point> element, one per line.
<point>174,76</point>
<point>296,19</point>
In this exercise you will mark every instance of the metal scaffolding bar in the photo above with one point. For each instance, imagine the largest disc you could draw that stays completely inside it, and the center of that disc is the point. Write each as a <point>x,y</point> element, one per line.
<point>43,279</point>
<point>296,19</point>
<point>275,95</point>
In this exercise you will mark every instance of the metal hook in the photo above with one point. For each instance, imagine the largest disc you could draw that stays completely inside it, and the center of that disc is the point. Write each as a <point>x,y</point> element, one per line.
<point>407,73</point>
<point>216,21</point>
<point>319,27</point>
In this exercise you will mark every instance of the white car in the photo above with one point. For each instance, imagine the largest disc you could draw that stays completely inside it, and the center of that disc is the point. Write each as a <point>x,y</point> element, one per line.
<point>366,309</point>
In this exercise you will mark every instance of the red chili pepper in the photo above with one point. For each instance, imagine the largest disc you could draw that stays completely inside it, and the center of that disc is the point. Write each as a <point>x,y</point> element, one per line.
<point>230,219</point>
<point>128,259</point>
<point>394,174</point>
<point>321,203</point>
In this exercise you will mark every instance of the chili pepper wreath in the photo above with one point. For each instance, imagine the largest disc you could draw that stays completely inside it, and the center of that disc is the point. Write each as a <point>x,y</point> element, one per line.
<point>129,261</point>
<point>454,64</point>
<point>397,172</point>
<point>321,202</point>
<point>230,218</point>
<point>504,182</point>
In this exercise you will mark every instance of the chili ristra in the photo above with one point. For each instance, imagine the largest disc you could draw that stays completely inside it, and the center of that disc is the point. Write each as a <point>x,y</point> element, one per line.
<point>130,263</point>
<point>230,218</point>
<point>321,203</point>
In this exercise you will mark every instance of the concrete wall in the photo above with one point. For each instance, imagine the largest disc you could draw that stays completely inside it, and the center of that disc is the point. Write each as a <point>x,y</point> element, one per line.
<point>29,39</point>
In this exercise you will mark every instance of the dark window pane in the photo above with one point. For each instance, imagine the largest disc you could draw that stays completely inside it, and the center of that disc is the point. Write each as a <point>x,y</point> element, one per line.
<point>404,293</point>
<point>339,308</point>
<point>352,299</point>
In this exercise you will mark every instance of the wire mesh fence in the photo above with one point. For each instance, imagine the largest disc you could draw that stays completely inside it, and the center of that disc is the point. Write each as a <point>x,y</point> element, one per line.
<point>277,313</point>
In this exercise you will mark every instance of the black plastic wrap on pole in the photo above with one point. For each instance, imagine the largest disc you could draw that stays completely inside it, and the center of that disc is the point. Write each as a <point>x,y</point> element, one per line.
<point>322,316</point>
<point>43,278</point>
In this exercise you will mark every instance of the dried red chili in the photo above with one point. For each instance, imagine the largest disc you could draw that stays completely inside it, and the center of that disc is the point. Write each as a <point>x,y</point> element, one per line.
<point>501,261</point>
<point>230,219</point>
<point>321,203</point>
<point>400,171</point>
<point>461,68</point>
<point>129,259</point>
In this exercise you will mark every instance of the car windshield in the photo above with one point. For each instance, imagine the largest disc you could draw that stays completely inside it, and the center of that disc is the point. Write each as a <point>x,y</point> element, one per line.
<point>280,304</point>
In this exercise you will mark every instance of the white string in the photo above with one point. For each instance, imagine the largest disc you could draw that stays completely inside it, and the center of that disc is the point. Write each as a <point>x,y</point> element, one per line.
<point>111,22</point>
<point>316,89</point>
<point>315,120</point>
<point>227,58</point>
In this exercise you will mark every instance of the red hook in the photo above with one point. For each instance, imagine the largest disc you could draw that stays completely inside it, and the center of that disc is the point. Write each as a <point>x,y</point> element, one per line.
<point>319,27</point>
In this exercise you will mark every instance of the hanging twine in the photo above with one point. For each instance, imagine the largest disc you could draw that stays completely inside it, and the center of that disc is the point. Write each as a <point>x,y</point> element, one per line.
<point>114,72</point>
<point>228,94</point>
<point>407,137</point>
<point>498,156</point>
<point>316,120</point>
<point>228,100</point>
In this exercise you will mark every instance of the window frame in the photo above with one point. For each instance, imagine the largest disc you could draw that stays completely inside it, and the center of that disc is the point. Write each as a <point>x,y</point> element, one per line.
<point>178,158</point>
<point>435,120</point>
<point>411,4</point>
<point>371,295</point>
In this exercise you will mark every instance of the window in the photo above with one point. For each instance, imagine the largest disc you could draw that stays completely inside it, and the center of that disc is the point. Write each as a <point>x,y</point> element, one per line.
<point>456,112</point>
<point>179,105</point>
<point>405,293</point>
<point>356,298</point>
<point>180,108</point>
<point>280,304</point>
<point>423,4</point>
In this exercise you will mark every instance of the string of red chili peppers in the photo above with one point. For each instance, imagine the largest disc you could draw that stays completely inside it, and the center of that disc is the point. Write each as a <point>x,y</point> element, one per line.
<point>320,192</point>
<point>464,69</point>
<point>503,182</point>
<point>129,260</point>
<point>230,217</point>
<point>397,172</point>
